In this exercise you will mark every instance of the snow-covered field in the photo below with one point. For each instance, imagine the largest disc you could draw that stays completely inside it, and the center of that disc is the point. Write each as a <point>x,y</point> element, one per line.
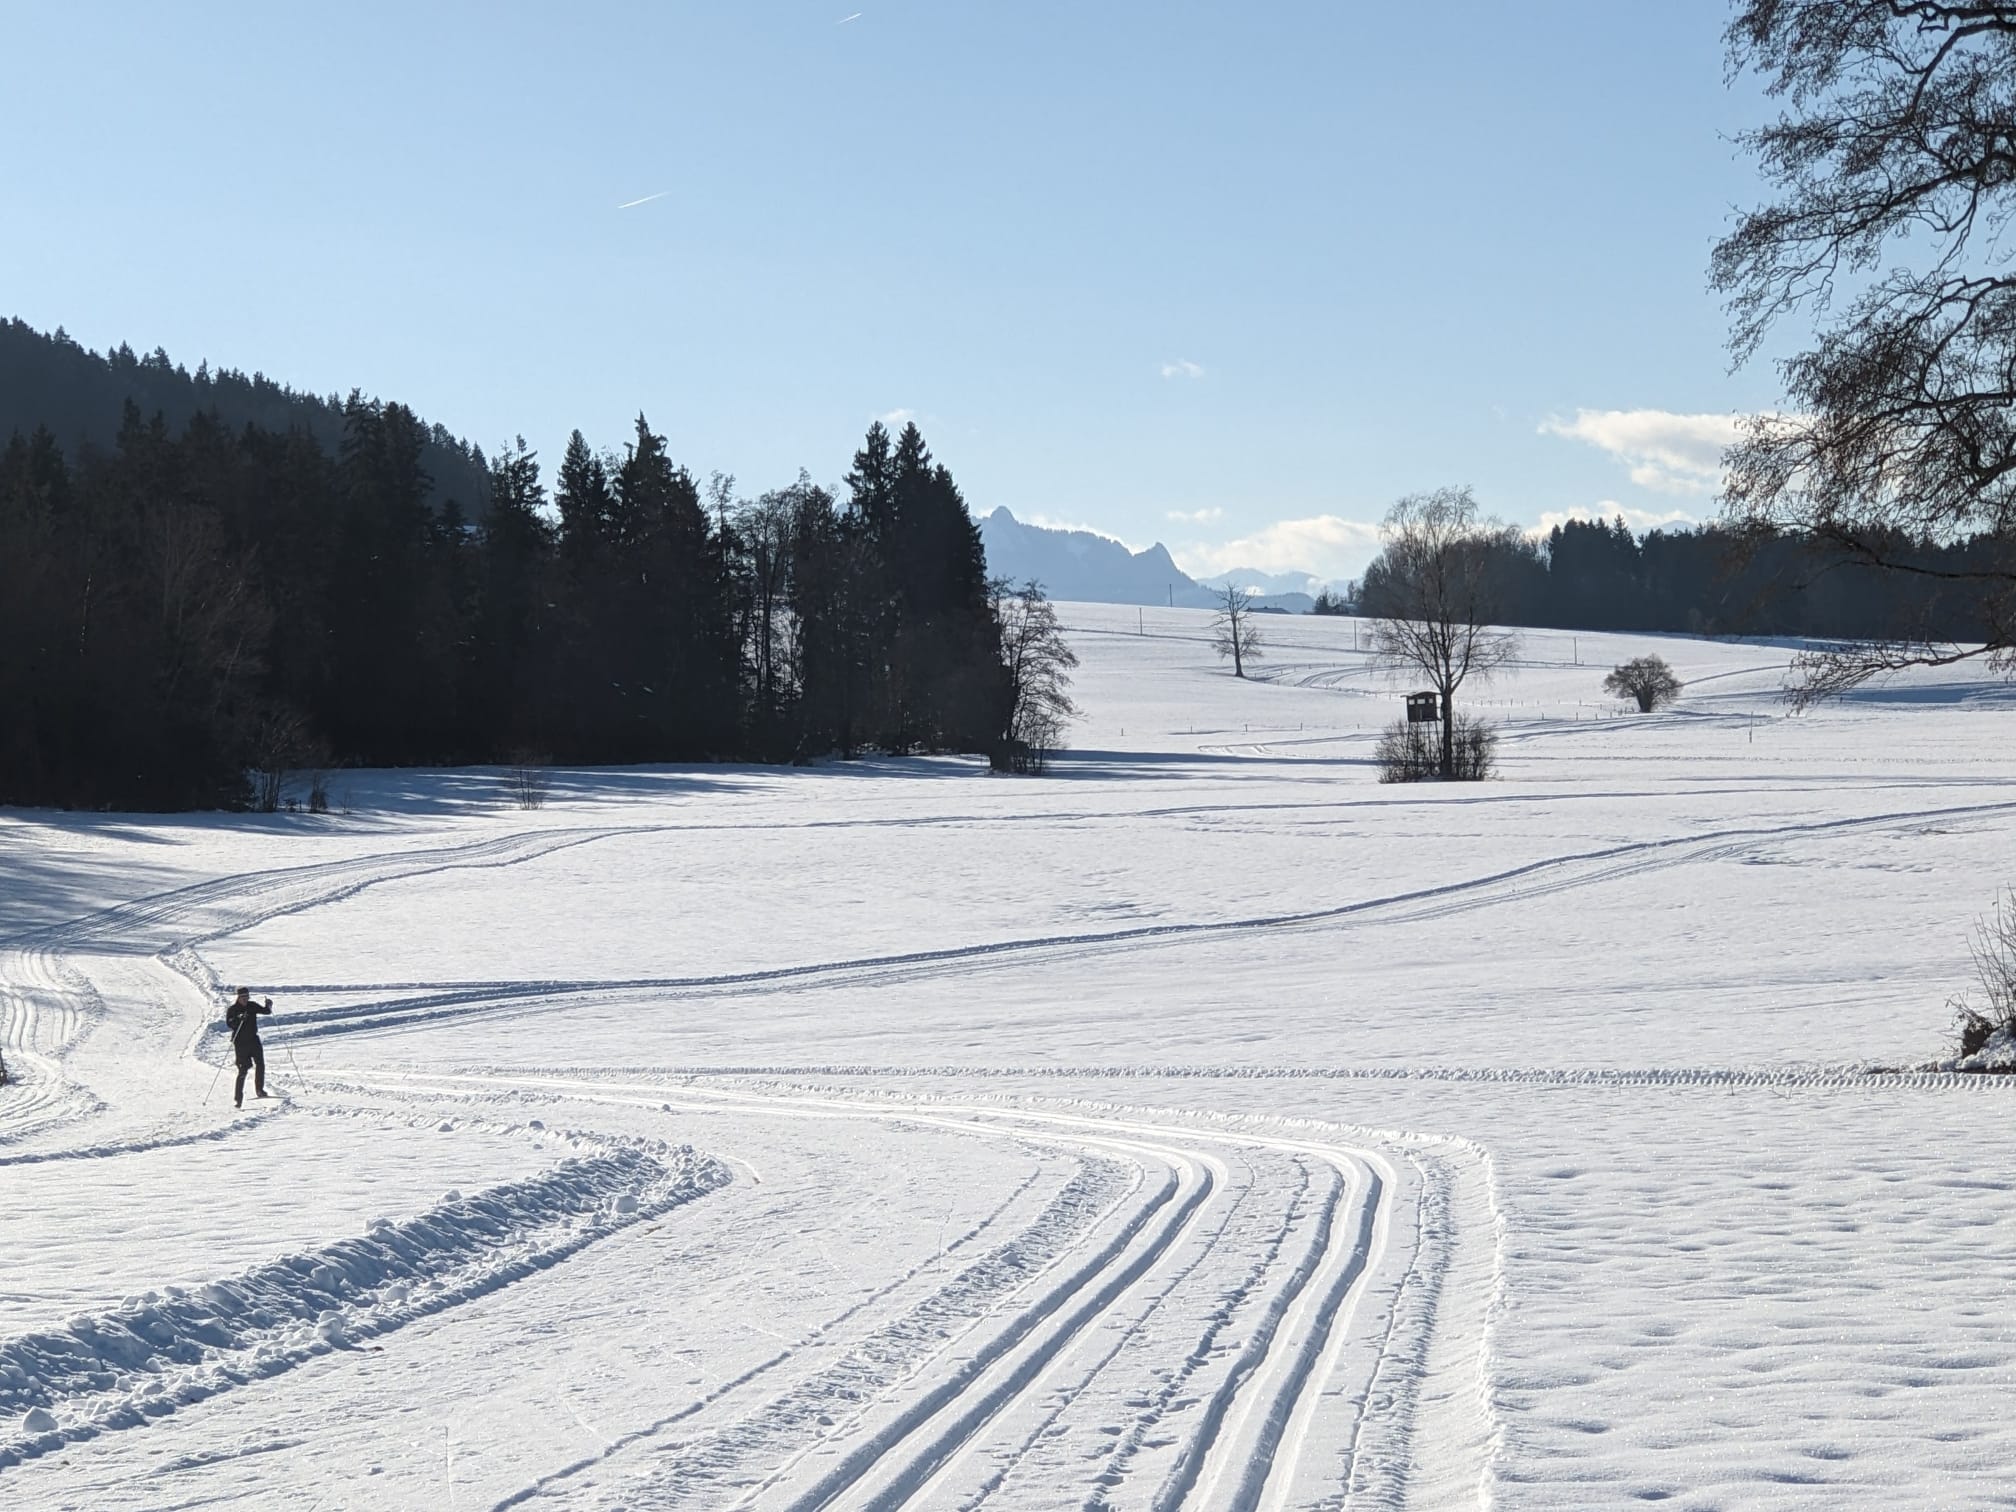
<point>1205,1126</point>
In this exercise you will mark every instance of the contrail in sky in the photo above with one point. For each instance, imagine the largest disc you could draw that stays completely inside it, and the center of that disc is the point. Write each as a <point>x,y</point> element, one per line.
<point>632,204</point>
<point>845,19</point>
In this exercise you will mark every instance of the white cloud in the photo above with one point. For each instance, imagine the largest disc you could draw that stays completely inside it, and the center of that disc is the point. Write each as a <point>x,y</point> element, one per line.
<point>1195,516</point>
<point>1182,367</point>
<point>895,418</point>
<point>1669,453</point>
<point>1640,520</point>
<point>1327,545</point>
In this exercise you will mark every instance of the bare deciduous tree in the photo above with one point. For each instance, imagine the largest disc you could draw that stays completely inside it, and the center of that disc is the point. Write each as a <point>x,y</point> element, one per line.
<point>1429,594</point>
<point>1233,632</point>
<point>1645,678</point>
<point>528,778</point>
<point>1892,164</point>
<point>279,744</point>
<point>764,529</point>
<point>1036,664</point>
<point>1994,950</point>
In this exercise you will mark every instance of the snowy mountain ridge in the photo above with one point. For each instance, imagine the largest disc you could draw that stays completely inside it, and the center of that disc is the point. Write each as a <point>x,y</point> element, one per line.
<point>1086,567</point>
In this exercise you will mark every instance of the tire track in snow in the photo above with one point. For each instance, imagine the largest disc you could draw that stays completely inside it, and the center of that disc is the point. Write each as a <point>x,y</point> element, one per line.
<point>1848,1078</point>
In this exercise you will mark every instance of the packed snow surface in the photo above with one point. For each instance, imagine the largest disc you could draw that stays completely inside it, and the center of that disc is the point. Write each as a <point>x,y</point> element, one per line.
<point>1205,1126</point>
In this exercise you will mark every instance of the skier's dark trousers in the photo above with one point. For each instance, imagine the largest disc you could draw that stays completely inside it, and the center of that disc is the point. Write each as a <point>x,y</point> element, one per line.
<point>241,1018</point>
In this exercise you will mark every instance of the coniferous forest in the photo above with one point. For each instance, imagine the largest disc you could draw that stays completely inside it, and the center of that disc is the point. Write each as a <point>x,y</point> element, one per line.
<point>204,576</point>
<point>181,604</point>
<point>1721,579</point>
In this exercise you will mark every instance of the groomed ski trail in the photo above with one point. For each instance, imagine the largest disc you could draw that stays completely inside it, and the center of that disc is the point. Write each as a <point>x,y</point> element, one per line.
<point>1285,1414</point>
<point>1523,883</point>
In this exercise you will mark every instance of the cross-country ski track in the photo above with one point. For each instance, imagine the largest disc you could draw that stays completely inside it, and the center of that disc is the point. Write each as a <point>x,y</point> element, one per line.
<point>1258,1138</point>
<point>1263,1256</point>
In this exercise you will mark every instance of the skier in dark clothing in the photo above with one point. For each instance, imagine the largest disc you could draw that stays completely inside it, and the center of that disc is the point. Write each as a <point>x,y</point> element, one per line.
<point>241,1018</point>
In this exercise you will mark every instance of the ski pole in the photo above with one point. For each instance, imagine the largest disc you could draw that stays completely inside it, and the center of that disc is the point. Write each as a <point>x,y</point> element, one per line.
<point>213,1082</point>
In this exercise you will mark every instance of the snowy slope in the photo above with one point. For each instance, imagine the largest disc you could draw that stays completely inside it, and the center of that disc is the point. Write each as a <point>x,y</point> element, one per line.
<point>1209,1126</point>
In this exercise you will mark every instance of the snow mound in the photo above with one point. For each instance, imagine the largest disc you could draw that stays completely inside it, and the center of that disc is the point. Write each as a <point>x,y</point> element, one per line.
<point>163,1349</point>
<point>1997,1055</point>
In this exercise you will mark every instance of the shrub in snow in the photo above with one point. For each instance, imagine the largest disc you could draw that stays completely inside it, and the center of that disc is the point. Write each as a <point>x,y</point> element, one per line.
<point>1406,753</point>
<point>526,780</point>
<point>1985,1025</point>
<point>1645,678</point>
<point>1409,752</point>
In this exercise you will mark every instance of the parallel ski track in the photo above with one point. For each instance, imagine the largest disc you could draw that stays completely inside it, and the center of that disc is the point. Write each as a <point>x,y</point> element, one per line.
<point>920,1432</point>
<point>1269,1415</point>
<point>1244,1451</point>
<point>48,1007</point>
<point>1522,883</point>
<point>162,920</point>
<point>38,1098</point>
<point>835,1336</point>
<point>1051,1423</point>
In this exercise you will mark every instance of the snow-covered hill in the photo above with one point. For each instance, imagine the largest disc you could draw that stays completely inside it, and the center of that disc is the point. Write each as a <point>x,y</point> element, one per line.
<point>1205,1126</point>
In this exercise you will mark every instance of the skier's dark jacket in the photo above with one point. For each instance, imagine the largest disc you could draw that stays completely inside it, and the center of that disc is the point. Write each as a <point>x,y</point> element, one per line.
<point>244,1027</point>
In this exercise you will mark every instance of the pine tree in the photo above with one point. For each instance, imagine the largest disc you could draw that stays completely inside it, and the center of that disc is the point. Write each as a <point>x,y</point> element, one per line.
<point>508,648</point>
<point>582,495</point>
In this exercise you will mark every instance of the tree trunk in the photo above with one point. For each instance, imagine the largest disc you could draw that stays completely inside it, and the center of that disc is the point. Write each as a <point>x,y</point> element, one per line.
<point>1448,736</point>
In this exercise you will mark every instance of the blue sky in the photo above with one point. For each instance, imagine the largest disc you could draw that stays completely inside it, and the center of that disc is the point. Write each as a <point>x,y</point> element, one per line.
<point>1231,277</point>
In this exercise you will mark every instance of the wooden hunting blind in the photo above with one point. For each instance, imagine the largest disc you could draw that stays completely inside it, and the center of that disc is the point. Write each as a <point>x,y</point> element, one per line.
<point>1424,708</point>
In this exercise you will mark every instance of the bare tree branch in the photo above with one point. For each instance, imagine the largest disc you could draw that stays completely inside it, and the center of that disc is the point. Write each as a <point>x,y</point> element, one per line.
<point>1430,596</point>
<point>1894,173</point>
<point>1233,632</point>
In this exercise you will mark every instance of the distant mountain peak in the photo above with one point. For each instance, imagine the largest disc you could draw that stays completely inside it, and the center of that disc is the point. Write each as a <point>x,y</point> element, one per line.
<point>1083,564</point>
<point>1091,567</point>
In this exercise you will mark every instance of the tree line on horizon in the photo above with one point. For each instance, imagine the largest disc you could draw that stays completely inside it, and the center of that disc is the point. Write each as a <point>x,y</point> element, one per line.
<point>180,609</point>
<point>1723,579</point>
<point>182,602</point>
<point>51,379</point>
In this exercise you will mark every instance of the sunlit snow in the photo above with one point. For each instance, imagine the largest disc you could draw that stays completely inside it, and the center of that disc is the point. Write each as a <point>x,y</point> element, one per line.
<point>1205,1125</point>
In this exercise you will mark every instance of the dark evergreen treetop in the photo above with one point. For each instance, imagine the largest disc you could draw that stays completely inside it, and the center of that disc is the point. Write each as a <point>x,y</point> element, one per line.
<point>52,380</point>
